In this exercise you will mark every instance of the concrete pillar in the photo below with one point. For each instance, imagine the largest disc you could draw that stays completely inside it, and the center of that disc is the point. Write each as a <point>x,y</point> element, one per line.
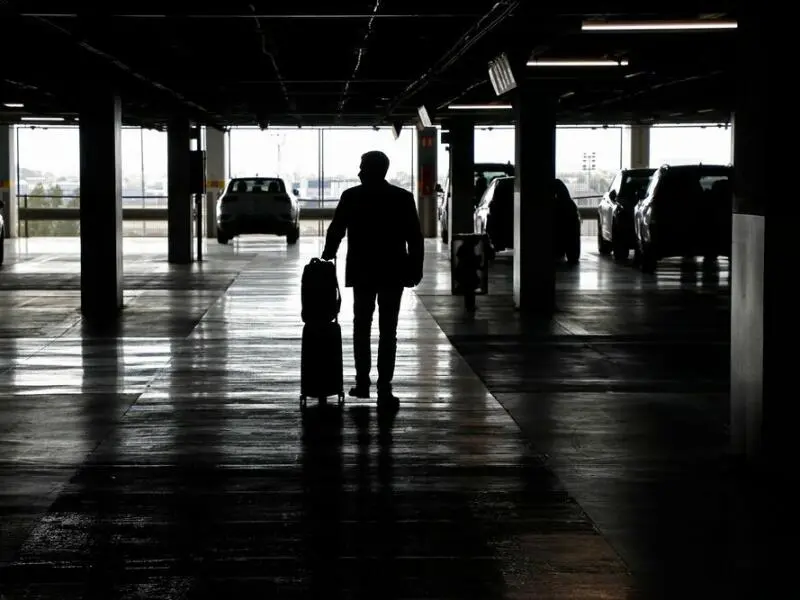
<point>461,208</point>
<point>8,177</point>
<point>427,153</point>
<point>216,176</point>
<point>101,204</point>
<point>534,268</point>
<point>763,413</point>
<point>636,147</point>
<point>179,201</point>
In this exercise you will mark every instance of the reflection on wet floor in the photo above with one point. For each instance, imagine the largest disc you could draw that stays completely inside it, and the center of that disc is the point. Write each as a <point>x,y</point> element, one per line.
<point>169,459</point>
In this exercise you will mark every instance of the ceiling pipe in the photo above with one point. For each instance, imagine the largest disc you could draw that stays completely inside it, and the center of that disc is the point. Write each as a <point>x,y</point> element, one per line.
<point>447,103</point>
<point>498,13</point>
<point>362,49</point>
<point>621,98</point>
<point>273,61</point>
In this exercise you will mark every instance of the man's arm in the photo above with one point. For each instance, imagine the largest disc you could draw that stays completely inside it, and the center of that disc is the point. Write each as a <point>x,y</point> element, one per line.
<point>415,241</point>
<point>336,230</point>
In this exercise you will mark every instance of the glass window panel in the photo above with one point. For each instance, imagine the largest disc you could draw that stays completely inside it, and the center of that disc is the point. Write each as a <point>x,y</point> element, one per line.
<point>48,156</point>
<point>342,150</point>
<point>132,166</point>
<point>289,153</point>
<point>686,145</point>
<point>154,153</point>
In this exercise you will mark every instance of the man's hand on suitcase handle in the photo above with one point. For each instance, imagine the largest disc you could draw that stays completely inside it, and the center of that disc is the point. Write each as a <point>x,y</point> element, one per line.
<point>328,256</point>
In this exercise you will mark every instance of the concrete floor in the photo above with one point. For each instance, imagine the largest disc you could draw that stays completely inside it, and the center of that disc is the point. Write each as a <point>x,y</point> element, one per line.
<point>579,457</point>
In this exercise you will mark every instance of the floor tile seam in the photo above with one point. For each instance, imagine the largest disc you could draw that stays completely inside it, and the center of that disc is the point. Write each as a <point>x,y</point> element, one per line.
<point>159,372</point>
<point>48,341</point>
<point>156,374</point>
<point>561,483</point>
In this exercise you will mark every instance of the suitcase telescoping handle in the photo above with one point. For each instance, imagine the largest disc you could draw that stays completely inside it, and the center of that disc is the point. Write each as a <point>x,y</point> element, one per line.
<point>338,293</point>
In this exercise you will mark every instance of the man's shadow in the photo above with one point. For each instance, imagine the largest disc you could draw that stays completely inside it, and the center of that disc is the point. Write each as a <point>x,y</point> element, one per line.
<point>323,501</point>
<point>377,541</point>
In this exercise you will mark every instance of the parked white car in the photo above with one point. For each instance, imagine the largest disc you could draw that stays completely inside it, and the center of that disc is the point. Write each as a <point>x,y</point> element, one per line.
<point>258,205</point>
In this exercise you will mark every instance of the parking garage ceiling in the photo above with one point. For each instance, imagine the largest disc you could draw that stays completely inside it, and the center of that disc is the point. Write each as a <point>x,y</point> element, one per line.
<point>364,62</point>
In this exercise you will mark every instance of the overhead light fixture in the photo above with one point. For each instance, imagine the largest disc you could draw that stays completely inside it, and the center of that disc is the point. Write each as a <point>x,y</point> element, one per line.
<point>502,75</point>
<point>700,25</point>
<point>42,118</point>
<point>13,104</point>
<point>424,116</point>
<point>577,63</point>
<point>479,107</point>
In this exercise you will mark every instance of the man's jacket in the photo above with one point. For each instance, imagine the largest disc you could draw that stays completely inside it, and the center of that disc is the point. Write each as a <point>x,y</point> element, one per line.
<point>384,238</point>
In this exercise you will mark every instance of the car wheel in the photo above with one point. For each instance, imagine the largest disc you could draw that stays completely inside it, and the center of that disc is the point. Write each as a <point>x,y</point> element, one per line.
<point>620,250</point>
<point>647,260</point>
<point>2,246</point>
<point>574,252</point>
<point>293,236</point>
<point>221,238</point>
<point>603,246</point>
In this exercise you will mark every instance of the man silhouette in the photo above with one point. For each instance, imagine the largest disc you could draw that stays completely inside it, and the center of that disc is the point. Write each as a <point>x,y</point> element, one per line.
<point>385,253</point>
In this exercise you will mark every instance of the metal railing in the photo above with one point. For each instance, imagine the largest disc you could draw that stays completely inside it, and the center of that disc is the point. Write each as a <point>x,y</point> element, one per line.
<point>147,215</point>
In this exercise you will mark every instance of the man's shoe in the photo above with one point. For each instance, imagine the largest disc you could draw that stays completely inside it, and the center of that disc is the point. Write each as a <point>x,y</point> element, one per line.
<point>359,391</point>
<point>388,400</point>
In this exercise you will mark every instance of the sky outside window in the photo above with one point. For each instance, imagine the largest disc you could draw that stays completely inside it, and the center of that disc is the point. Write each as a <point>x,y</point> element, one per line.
<point>55,150</point>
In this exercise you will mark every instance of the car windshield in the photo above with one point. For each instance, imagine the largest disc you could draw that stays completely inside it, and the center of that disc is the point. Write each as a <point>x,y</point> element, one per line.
<point>256,185</point>
<point>633,188</point>
<point>490,175</point>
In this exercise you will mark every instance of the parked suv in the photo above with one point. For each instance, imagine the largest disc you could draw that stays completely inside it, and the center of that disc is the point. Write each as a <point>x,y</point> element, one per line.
<point>686,211</point>
<point>494,216</point>
<point>258,205</point>
<point>615,230</point>
<point>485,173</point>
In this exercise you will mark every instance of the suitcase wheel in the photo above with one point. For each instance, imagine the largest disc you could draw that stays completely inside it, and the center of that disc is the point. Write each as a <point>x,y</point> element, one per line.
<point>302,402</point>
<point>341,398</point>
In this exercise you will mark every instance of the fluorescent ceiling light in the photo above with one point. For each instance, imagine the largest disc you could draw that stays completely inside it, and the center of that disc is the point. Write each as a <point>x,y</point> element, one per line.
<point>14,104</point>
<point>479,107</point>
<point>658,25</point>
<point>42,118</point>
<point>577,63</point>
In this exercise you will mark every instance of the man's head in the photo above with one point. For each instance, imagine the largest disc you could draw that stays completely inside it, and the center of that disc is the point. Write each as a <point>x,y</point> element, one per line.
<point>374,166</point>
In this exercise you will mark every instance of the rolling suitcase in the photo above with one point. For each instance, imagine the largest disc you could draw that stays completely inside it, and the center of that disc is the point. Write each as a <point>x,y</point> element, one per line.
<point>321,351</point>
<point>321,363</point>
<point>320,296</point>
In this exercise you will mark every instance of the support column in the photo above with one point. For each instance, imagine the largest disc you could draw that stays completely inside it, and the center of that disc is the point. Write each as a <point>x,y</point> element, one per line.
<point>8,176</point>
<point>763,412</point>
<point>636,147</point>
<point>427,153</point>
<point>101,205</point>
<point>461,209</point>
<point>179,201</point>
<point>534,200</point>
<point>216,176</point>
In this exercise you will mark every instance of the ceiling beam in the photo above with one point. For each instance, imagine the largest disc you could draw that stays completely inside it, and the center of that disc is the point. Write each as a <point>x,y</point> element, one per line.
<point>119,66</point>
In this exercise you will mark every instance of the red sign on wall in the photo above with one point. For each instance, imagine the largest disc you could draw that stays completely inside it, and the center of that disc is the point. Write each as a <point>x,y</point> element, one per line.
<point>426,179</point>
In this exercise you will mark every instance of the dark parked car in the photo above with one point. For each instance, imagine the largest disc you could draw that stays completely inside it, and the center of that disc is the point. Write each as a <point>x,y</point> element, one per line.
<point>615,230</point>
<point>484,173</point>
<point>494,216</point>
<point>686,211</point>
